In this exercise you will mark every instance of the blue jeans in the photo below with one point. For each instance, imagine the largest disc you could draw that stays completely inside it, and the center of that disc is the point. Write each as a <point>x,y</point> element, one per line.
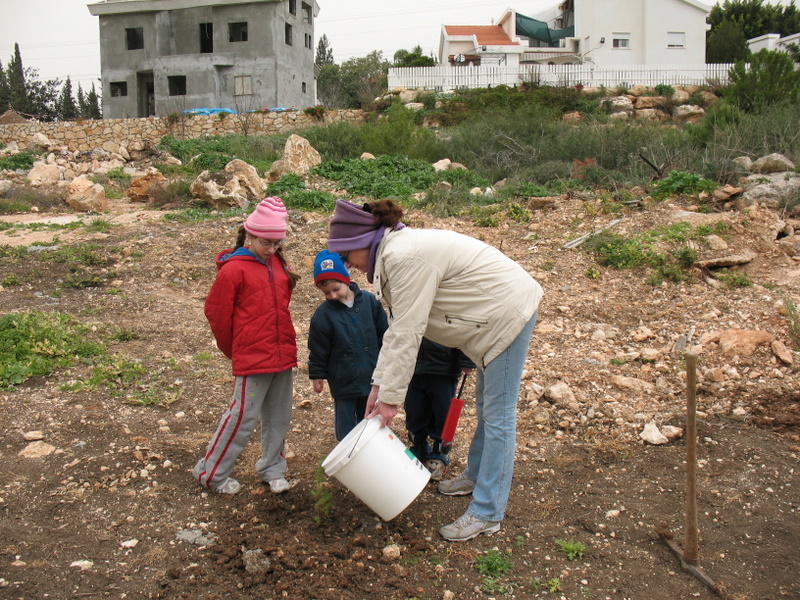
<point>491,453</point>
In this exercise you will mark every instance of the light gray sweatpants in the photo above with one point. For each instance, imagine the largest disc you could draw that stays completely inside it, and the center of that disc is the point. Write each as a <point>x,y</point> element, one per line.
<point>269,396</point>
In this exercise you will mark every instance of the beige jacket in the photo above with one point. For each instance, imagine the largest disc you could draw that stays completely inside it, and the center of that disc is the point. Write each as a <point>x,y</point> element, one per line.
<point>452,289</point>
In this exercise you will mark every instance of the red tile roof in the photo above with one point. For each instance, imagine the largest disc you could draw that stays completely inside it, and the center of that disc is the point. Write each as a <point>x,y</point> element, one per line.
<point>488,35</point>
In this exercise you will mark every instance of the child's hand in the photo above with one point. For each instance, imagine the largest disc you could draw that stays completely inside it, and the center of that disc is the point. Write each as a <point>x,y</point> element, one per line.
<point>319,385</point>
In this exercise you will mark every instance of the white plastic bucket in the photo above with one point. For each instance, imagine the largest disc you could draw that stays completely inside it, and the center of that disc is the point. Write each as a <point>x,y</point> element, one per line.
<point>377,467</point>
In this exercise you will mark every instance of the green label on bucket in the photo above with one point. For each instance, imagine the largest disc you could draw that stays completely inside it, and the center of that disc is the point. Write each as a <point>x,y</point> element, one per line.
<point>410,454</point>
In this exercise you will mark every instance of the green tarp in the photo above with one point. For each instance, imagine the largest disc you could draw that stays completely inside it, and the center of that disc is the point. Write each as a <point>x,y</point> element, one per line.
<point>538,30</point>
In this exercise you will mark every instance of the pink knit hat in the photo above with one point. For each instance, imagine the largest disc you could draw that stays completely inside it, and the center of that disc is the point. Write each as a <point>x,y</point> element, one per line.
<point>268,220</point>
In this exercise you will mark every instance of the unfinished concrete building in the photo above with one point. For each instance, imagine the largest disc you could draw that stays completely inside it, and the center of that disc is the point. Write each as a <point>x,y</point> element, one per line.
<point>162,57</point>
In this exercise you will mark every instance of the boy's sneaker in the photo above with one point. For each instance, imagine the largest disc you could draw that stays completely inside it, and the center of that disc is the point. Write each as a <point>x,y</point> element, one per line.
<point>436,467</point>
<point>229,486</point>
<point>467,527</point>
<point>459,486</point>
<point>278,486</point>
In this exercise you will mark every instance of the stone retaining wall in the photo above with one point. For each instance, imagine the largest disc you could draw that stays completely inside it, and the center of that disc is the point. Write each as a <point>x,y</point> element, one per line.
<point>88,134</point>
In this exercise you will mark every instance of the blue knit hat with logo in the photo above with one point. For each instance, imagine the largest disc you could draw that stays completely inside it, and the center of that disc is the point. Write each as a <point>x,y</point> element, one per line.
<point>329,265</point>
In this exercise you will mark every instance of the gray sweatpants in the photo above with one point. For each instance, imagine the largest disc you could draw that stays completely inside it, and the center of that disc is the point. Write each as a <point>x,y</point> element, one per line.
<point>268,395</point>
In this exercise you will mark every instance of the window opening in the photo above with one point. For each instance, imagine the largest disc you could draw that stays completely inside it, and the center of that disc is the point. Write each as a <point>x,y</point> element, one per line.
<point>306,8</point>
<point>293,7</point>
<point>119,88</point>
<point>288,34</point>
<point>237,32</point>
<point>134,37</point>
<point>621,40</point>
<point>177,85</point>
<point>206,38</point>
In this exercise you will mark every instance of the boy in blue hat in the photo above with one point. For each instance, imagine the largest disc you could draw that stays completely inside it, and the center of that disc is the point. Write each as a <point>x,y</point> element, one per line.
<point>344,340</point>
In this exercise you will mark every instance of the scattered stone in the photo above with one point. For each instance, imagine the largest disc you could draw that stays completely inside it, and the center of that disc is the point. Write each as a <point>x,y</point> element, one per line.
<point>782,352</point>
<point>43,174</point>
<point>652,435</point>
<point>392,552</point>
<point>671,432</point>
<point>743,342</point>
<point>85,196</point>
<point>560,394</point>
<point>142,189</point>
<point>772,163</point>
<point>633,384</point>
<point>298,158</point>
<point>37,449</point>
<point>255,562</point>
<point>132,543</point>
<point>33,436</point>
<point>83,565</point>
<point>196,537</point>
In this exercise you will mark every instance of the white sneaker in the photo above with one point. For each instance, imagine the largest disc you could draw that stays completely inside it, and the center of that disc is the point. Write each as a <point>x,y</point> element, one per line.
<point>467,527</point>
<point>458,486</point>
<point>229,486</point>
<point>278,486</point>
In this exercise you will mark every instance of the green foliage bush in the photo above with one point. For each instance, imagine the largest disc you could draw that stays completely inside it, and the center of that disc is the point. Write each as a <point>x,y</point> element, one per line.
<point>769,77</point>
<point>381,177</point>
<point>21,160</point>
<point>38,343</point>
<point>679,183</point>
<point>214,152</point>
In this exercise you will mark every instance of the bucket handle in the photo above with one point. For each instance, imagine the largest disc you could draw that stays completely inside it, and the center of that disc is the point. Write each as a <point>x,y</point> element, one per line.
<point>358,439</point>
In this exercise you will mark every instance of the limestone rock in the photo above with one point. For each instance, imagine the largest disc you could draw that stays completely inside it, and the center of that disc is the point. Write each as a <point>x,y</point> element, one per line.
<point>298,158</point>
<point>39,142</point>
<point>743,342</point>
<point>142,188</point>
<point>560,394</point>
<point>632,384</point>
<point>85,196</point>
<point>772,163</point>
<point>36,449</point>
<point>620,104</point>
<point>442,165</point>
<point>219,191</point>
<point>688,113</point>
<point>773,190</point>
<point>43,174</point>
<point>652,435</point>
<point>782,352</point>
<point>247,177</point>
<point>366,156</point>
<point>5,186</point>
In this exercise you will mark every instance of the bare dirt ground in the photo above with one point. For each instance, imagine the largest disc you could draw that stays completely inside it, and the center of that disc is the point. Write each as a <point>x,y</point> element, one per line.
<point>113,510</point>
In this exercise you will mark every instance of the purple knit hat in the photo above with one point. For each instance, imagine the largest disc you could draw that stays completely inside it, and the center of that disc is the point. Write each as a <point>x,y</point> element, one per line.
<point>268,220</point>
<point>351,227</point>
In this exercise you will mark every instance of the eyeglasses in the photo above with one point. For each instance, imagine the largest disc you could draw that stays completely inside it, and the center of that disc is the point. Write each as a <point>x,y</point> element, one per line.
<point>344,255</point>
<point>270,243</point>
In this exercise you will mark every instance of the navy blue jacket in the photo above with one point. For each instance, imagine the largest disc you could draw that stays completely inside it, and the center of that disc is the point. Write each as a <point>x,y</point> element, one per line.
<point>344,343</point>
<point>435,359</point>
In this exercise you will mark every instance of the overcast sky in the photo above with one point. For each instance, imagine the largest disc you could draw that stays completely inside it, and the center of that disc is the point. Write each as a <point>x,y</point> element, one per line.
<point>60,37</point>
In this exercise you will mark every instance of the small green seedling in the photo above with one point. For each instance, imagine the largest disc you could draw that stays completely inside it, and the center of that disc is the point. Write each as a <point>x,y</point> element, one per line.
<point>574,550</point>
<point>493,563</point>
<point>554,585</point>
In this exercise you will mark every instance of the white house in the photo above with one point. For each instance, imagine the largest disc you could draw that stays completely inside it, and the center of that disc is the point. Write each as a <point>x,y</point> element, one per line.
<point>651,32</point>
<point>773,42</point>
<point>619,32</point>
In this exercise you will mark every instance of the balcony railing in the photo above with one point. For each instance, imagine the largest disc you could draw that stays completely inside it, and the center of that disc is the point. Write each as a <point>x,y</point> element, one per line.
<point>446,77</point>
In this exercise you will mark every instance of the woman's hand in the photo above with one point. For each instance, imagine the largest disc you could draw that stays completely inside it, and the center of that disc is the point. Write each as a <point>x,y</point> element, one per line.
<point>386,412</point>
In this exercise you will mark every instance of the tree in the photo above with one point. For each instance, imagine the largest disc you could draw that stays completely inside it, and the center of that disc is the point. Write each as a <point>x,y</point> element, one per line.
<point>5,95</point>
<point>67,110</point>
<point>364,78</point>
<point>726,43</point>
<point>324,52</point>
<point>756,18</point>
<point>93,110</point>
<point>414,58</point>
<point>17,94</point>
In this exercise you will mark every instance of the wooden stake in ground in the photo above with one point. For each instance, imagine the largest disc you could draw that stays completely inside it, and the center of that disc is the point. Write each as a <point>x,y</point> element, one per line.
<point>689,555</point>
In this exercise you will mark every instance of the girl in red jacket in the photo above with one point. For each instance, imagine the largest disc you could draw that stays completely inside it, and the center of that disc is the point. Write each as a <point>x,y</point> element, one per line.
<point>248,310</point>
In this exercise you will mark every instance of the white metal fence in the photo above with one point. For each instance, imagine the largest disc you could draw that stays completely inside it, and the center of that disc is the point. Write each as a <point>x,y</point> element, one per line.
<point>447,77</point>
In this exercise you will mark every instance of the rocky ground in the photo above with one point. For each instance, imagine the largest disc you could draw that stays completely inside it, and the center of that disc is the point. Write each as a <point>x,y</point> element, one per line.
<point>98,500</point>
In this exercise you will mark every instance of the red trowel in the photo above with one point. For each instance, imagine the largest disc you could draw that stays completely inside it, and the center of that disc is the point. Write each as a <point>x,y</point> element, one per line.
<point>453,414</point>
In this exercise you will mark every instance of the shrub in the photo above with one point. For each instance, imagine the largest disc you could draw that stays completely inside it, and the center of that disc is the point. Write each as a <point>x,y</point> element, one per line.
<point>312,200</point>
<point>666,90</point>
<point>681,183</point>
<point>38,343</point>
<point>289,182</point>
<point>21,160</point>
<point>382,177</point>
<point>768,78</point>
